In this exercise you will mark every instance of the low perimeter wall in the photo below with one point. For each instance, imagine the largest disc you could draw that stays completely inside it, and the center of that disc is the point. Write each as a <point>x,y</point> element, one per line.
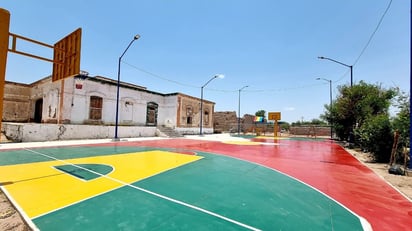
<point>194,131</point>
<point>310,131</point>
<point>33,132</point>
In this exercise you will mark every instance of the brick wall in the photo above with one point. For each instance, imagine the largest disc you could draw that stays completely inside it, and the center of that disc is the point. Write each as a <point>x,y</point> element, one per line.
<point>16,103</point>
<point>310,130</point>
<point>225,121</point>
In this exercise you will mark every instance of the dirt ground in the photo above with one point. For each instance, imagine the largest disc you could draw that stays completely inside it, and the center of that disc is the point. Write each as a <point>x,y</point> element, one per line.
<point>11,220</point>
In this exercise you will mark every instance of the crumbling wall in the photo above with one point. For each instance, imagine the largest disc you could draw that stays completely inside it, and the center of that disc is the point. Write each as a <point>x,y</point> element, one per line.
<point>225,121</point>
<point>16,103</point>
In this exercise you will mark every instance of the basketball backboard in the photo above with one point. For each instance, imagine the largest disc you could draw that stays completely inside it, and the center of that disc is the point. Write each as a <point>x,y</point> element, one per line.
<point>274,116</point>
<point>66,56</point>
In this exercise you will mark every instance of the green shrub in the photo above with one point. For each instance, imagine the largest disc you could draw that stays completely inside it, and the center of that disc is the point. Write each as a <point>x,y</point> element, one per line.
<point>376,137</point>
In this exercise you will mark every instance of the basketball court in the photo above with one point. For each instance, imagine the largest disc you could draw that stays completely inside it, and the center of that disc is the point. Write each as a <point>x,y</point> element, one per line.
<point>198,183</point>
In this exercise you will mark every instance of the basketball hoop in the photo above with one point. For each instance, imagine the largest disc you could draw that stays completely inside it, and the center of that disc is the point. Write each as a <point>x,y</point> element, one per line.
<point>79,85</point>
<point>79,80</point>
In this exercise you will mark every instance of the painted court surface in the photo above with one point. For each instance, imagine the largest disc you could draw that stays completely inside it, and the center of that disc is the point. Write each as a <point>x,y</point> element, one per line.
<point>215,182</point>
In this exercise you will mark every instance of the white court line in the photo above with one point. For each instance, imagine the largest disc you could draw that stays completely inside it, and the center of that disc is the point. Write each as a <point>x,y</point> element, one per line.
<point>20,210</point>
<point>153,193</point>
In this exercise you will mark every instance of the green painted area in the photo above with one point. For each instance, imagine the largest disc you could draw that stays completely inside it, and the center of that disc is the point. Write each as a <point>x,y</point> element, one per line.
<point>252,194</point>
<point>23,156</point>
<point>129,209</point>
<point>239,190</point>
<point>244,136</point>
<point>85,171</point>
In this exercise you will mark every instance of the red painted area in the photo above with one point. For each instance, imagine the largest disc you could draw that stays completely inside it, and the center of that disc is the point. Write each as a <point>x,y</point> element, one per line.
<point>323,165</point>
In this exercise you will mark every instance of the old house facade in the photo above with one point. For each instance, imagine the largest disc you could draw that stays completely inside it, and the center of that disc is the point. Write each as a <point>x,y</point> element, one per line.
<point>84,100</point>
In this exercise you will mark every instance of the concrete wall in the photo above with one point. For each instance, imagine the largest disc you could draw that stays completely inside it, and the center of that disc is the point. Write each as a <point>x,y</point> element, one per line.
<point>132,103</point>
<point>72,105</point>
<point>194,130</point>
<point>50,94</point>
<point>16,102</point>
<point>167,112</point>
<point>33,132</point>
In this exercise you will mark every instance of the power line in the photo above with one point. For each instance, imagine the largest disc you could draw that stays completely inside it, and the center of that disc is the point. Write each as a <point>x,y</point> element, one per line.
<point>374,32</point>
<point>279,89</point>
<point>218,90</point>
<point>159,77</point>
<point>369,41</point>
<point>213,89</point>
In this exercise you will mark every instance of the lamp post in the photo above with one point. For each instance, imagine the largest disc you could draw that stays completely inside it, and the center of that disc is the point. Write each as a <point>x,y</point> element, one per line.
<point>410,88</point>
<point>330,104</point>
<point>238,118</point>
<point>220,76</point>
<point>346,65</point>
<point>116,138</point>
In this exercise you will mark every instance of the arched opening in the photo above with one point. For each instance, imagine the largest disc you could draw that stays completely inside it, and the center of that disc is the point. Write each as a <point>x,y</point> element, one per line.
<point>206,119</point>
<point>189,115</point>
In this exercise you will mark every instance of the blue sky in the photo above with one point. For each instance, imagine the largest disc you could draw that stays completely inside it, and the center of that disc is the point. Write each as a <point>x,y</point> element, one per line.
<point>269,45</point>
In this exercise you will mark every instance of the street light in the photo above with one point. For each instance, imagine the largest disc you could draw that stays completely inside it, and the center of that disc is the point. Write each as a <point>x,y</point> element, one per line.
<point>330,104</point>
<point>238,118</point>
<point>220,76</point>
<point>410,88</point>
<point>116,138</point>
<point>346,65</point>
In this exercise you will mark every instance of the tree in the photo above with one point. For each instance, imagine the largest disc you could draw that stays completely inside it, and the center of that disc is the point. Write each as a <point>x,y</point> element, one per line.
<point>285,126</point>
<point>375,136</point>
<point>317,122</point>
<point>309,123</point>
<point>261,113</point>
<point>401,121</point>
<point>356,104</point>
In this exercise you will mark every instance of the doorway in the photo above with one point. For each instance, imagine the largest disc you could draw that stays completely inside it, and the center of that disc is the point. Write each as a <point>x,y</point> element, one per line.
<point>38,110</point>
<point>151,116</point>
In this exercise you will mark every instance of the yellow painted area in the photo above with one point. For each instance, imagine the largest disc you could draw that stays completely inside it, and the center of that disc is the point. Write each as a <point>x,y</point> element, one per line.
<point>39,188</point>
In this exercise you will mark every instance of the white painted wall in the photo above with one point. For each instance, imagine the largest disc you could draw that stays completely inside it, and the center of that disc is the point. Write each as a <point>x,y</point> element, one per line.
<point>76,103</point>
<point>50,94</point>
<point>76,107</point>
<point>194,130</point>
<point>167,112</point>
<point>35,132</point>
